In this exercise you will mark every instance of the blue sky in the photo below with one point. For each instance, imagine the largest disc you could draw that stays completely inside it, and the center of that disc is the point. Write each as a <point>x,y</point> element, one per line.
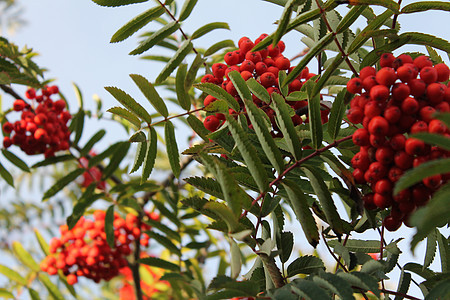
<point>72,37</point>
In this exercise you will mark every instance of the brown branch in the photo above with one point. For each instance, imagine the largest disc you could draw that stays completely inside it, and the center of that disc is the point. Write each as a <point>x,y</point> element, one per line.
<point>398,294</point>
<point>10,91</point>
<point>338,44</point>
<point>295,165</point>
<point>394,20</point>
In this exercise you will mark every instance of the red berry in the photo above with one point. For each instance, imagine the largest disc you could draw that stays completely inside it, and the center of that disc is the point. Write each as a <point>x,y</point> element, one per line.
<point>422,62</point>
<point>400,91</point>
<point>386,60</point>
<point>417,87</point>
<point>379,93</point>
<point>354,85</point>
<point>361,137</point>
<point>392,224</point>
<point>282,63</point>
<point>386,76</point>
<point>366,72</point>
<point>410,106</point>
<point>392,114</point>
<point>268,79</point>
<point>436,92</point>
<point>378,126</point>
<point>437,126</point>
<point>428,75</point>
<point>414,146</point>
<point>19,105</point>
<point>443,72</point>
<point>211,123</point>
<point>407,72</point>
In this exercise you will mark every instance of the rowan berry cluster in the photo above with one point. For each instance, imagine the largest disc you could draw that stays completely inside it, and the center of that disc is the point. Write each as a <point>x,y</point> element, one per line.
<point>92,174</point>
<point>42,127</point>
<point>264,66</point>
<point>84,251</point>
<point>393,103</point>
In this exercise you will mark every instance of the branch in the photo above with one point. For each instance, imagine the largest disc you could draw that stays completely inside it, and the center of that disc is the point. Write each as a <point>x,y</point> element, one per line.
<point>10,91</point>
<point>295,165</point>
<point>338,44</point>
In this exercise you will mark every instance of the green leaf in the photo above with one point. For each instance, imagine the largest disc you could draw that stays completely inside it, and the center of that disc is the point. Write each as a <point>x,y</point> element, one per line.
<point>13,275</point>
<point>163,228</point>
<point>207,185</point>
<point>284,21</point>
<point>443,251</point>
<point>159,263</point>
<point>79,95</point>
<point>318,47</point>
<point>175,61</point>
<point>77,125</point>
<point>87,198</point>
<point>362,37</point>
<point>233,194</point>
<point>51,288</point>
<point>115,160</point>
<point>125,114</point>
<point>258,90</point>
<point>286,126</point>
<point>198,127</point>
<point>138,137</point>
<point>186,9</point>
<point>262,132</point>
<point>342,252</point>
<point>285,246</point>
<point>131,104</point>
<point>335,284</point>
<point>249,154</point>
<point>136,23</point>
<point>315,121</point>
<point>307,264</point>
<point>115,3</point>
<point>62,182</point>
<point>140,156</point>
<point>420,172</point>
<point>307,290</point>
<point>208,28</point>
<point>440,291</point>
<point>150,93</point>
<point>326,75</point>
<point>390,4</point>
<point>182,93</point>
<point>53,160</point>
<point>419,270</point>
<point>425,6</point>
<point>350,18</point>
<point>150,157</point>
<point>361,280</point>
<point>164,241</point>
<point>92,141</point>
<point>42,243</point>
<point>25,257</point>
<point>433,139</point>
<point>6,175</point>
<point>361,246</point>
<point>431,249</point>
<point>336,115</point>
<point>219,45</point>
<point>109,226</point>
<point>403,285</point>
<point>240,85</point>
<point>172,148</point>
<point>321,190</point>
<point>33,294</point>
<point>6,294</point>
<point>15,160</point>
<point>156,37</point>
<point>299,204</point>
<point>236,261</point>
<point>219,93</point>
<point>435,214</point>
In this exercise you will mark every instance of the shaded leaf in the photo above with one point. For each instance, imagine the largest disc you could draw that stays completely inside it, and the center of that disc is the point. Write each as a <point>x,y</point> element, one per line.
<point>335,284</point>
<point>363,246</point>
<point>175,61</point>
<point>403,285</point>
<point>131,104</point>
<point>151,94</point>
<point>425,6</point>
<point>208,28</point>
<point>186,9</point>
<point>109,226</point>
<point>159,263</point>
<point>433,139</point>
<point>219,45</point>
<point>117,157</point>
<point>307,264</point>
<point>62,182</point>
<point>258,90</point>
<point>136,23</point>
<point>172,148</point>
<point>156,37</point>
<point>115,3</point>
<point>164,241</point>
<point>150,156</point>
<point>141,152</point>
<point>336,115</point>
<point>15,160</point>
<point>6,175</point>
<point>219,93</point>
<point>123,113</point>
<point>182,93</point>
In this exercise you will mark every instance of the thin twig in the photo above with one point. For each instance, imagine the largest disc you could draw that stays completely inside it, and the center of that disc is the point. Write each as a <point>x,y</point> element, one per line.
<point>10,91</point>
<point>338,44</point>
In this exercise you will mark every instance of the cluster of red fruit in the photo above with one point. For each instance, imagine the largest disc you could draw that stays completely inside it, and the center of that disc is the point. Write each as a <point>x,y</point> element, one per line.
<point>264,66</point>
<point>92,174</point>
<point>84,251</point>
<point>42,127</point>
<point>393,103</point>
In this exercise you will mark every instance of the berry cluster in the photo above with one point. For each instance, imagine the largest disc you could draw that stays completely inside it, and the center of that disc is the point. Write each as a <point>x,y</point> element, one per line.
<point>393,103</point>
<point>43,125</point>
<point>92,174</point>
<point>84,251</point>
<point>264,66</point>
